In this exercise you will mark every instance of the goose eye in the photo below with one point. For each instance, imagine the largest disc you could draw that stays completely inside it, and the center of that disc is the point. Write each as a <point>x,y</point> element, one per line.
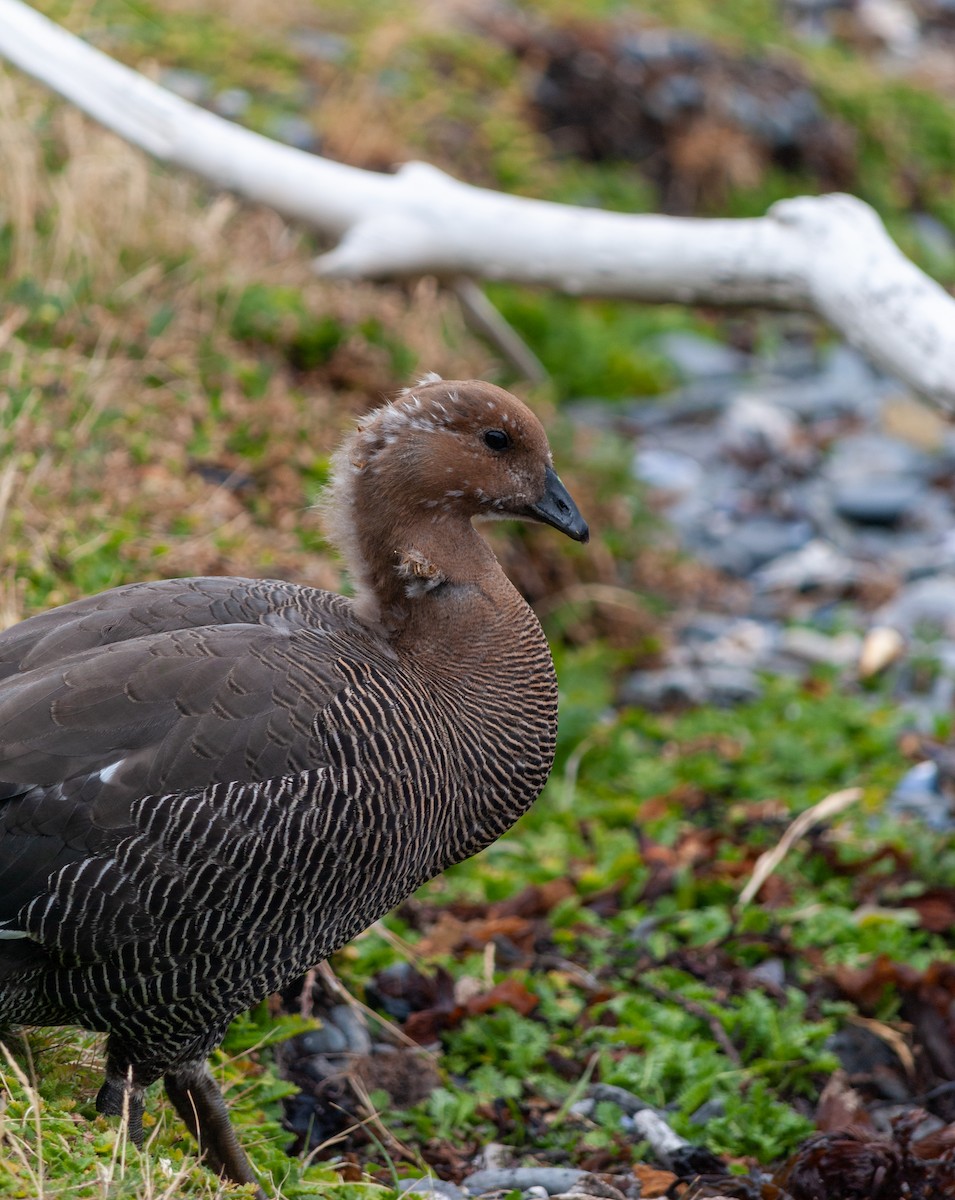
<point>496,439</point>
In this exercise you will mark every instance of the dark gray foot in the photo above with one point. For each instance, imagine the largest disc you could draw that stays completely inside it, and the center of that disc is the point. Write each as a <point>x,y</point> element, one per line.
<point>197,1099</point>
<point>119,1097</point>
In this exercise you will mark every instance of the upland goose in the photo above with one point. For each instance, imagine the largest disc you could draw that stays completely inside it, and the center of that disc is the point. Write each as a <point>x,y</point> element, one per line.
<point>209,785</point>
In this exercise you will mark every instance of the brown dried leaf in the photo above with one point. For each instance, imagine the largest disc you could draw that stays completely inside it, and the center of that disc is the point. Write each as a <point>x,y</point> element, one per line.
<point>510,992</point>
<point>653,1182</point>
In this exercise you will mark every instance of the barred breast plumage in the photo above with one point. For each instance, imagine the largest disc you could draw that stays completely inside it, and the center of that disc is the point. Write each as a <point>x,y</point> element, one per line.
<point>208,785</point>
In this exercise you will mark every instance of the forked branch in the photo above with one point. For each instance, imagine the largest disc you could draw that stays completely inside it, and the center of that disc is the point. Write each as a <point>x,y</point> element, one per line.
<point>829,255</point>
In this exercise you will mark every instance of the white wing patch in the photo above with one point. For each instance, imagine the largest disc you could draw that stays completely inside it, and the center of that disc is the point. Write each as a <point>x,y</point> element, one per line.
<point>108,774</point>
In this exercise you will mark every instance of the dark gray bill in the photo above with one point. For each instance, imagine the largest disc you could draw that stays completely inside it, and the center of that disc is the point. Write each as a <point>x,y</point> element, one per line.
<point>557,508</point>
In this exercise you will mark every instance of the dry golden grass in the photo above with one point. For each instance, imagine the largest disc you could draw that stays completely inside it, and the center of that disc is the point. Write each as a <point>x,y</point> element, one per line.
<point>105,404</point>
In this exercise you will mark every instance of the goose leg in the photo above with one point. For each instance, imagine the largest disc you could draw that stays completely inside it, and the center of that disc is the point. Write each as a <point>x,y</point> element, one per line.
<point>119,1096</point>
<point>197,1099</point>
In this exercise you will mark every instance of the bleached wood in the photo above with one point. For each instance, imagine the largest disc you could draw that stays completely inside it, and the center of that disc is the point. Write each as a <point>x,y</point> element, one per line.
<point>829,255</point>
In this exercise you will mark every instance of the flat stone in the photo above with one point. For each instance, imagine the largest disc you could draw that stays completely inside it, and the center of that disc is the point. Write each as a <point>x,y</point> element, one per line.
<point>429,1187</point>
<point>667,470</point>
<point>696,357</point>
<point>752,430</point>
<point>293,131</point>
<point>189,85</point>
<point>329,1039</point>
<point>934,237</point>
<point>317,44</point>
<point>878,500</point>
<point>729,685</point>
<point>918,794</point>
<point>810,646</point>
<point>717,640</point>
<point>818,564</point>
<point>925,606</point>
<point>629,1102</point>
<point>352,1027</point>
<point>771,971</point>
<point>233,103</point>
<point>668,687</point>
<point>554,1179</point>
<point>755,542</point>
<point>869,454</point>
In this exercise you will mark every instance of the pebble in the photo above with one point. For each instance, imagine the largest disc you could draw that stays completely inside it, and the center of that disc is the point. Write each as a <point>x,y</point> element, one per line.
<point>329,1039</point>
<point>728,685</point>
<point>321,46</point>
<point>818,483</point>
<point>878,499</point>
<point>754,431</point>
<point>667,470</point>
<point>554,1180</point>
<point>810,646</point>
<point>668,687</point>
<point>934,237</point>
<point>696,357</point>
<point>925,606</point>
<point>233,103</point>
<point>818,564</point>
<point>352,1026</point>
<point>293,131</point>
<point>871,454</point>
<point>714,639</point>
<point>629,1102</point>
<point>430,1188</point>
<point>755,542</point>
<point>771,971</point>
<point>918,794</point>
<point>188,85</point>
<point>709,1110</point>
<point>664,1141</point>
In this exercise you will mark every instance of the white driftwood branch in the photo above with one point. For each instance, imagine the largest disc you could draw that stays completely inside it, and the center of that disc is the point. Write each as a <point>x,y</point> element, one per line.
<point>826,254</point>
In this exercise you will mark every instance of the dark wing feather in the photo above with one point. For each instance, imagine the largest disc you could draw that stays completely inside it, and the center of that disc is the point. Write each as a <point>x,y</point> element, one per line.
<point>159,688</point>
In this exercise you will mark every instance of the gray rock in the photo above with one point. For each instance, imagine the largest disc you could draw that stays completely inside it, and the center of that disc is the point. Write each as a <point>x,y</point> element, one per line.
<point>664,1141</point>
<point>696,357</point>
<point>878,499</point>
<point>323,47</point>
<point>934,237</point>
<point>918,794</point>
<point>867,454</point>
<point>353,1028</point>
<point>293,131</point>
<point>811,646</point>
<point>846,385</point>
<point>818,564</point>
<point>712,639</point>
<point>753,431</point>
<point>554,1179</point>
<point>667,470</point>
<point>772,971</point>
<point>668,687</point>
<point>430,1188</point>
<point>709,1110</point>
<point>925,606</point>
<point>233,103</point>
<point>327,1040</point>
<point>753,543</point>
<point>628,1102</point>
<point>189,85</point>
<point>729,685</point>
